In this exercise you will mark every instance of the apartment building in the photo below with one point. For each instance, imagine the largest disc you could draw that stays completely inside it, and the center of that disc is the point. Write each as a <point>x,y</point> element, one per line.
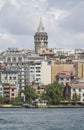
<point>57,68</point>
<point>78,89</point>
<point>74,88</point>
<point>65,77</point>
<point>33,63</point>
<point>9,76</point>
<point>79,69</point>
<point>10,91</point>
<point>46,72</point>
<point>13,57</point>
<point>34,69</point>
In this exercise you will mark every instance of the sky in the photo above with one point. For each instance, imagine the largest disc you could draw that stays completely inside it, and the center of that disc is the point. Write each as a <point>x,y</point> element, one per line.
<point>63,21</point>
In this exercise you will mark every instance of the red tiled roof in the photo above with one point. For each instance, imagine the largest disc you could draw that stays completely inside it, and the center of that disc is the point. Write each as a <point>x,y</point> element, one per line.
<point>48,53</point>
<point>76,85</point>
<point>65,74</point>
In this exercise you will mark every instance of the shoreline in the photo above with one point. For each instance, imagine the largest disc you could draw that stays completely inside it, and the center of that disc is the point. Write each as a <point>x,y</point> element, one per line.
<point>38,107</point>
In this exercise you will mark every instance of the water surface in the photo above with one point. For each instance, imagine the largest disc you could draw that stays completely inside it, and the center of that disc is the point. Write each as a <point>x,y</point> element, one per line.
<point>42,119</point>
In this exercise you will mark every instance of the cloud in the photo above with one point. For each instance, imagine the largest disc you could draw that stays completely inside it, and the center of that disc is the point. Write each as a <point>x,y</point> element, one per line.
<point>2,2</point>
<point>62,19</point>
<point>19,17</point>
<point>14,21</point>
<point>79,36</point>
<point>63,4</point>
<point>74,22</point>
<point>7,37</point>
<point>15,3</point>
<point>58,14</point>
<point>7,40</point>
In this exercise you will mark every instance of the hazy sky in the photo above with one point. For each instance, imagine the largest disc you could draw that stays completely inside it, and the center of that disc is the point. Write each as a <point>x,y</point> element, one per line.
<point>62,19</point>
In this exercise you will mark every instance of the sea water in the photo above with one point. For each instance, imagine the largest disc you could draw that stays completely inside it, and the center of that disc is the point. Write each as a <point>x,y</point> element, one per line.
<point>42,119</point>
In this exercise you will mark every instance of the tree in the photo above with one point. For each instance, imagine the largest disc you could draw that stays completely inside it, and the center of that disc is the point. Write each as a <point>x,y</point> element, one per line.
<point>62,57</point>
<point>54,93</point>
<point>76,97</point>
<point>1,99</point>
<point>30,94</point>
<point>16,100</point>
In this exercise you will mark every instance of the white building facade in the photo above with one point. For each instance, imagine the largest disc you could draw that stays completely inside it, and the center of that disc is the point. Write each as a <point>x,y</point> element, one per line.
<point>10,77</point>
<point>78,89</point>
<point>45,72</point>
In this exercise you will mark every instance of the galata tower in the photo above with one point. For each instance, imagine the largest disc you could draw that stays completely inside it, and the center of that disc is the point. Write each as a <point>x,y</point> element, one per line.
<point>41,39</point>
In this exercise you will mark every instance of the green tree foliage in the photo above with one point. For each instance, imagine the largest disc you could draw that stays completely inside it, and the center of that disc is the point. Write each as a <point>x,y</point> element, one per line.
<point>30,94</point>
<point>62,57</point>
<point>2,100</point>
<point>16,101</point>
<point>76,97</point>
<point>54,93</point>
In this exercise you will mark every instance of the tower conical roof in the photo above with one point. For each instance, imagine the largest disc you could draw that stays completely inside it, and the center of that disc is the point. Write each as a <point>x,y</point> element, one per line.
<point>40,27</point>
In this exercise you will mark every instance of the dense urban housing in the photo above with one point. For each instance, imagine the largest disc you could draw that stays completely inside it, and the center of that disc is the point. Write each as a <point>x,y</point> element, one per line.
<point>20,69</point>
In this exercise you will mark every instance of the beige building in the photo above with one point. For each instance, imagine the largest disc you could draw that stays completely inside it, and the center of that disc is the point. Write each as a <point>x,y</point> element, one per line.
<point>46,72</point>
<point>57,68</point>
<point>10,91</point>
<point>79,69</point>
<point>13,91</point>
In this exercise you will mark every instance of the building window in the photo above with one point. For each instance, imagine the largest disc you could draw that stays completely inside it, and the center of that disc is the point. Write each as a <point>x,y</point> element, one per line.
<point>8,59</point>
<point>38,92</point>
<point>36,79</point>
<point>61,78</point>
<point>38,71</point>
<point>13,89</point>
<point>10,77</point>
<point>67,82</point>
<point>74,90</point>
<point>12,94</point>
<point>31,67</point>
<point>83,94</point>
<point>20,59</point>
<point>5,77</point>
<point>20,80</point>
<point>37,74</point>
<point>14,77</point>
<point>79,90</point>
<point>0,89</point>
<point>5,64</point>
<point>31,71</point>
<point>67,78</point>
<point>14,59</point>
<point>38,67</point>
